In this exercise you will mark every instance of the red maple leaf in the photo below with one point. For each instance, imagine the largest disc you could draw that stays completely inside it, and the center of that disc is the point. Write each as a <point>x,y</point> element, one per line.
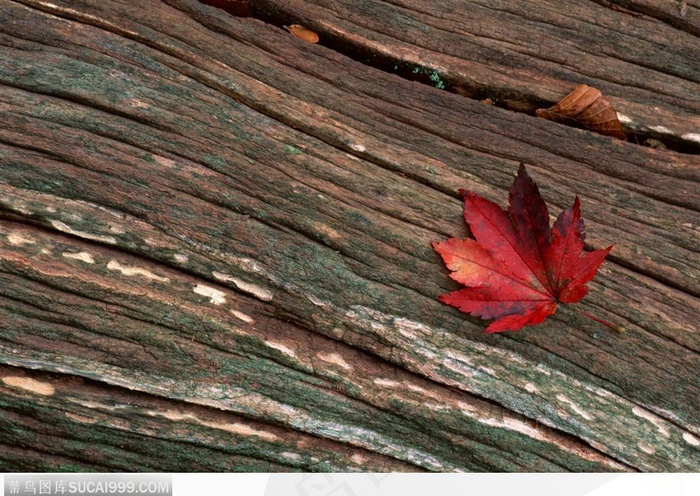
<point>517,268</point>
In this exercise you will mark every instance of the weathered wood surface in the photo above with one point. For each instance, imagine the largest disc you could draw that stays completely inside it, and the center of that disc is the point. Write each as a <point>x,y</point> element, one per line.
<point>526,56</point>
<point>215,238</point>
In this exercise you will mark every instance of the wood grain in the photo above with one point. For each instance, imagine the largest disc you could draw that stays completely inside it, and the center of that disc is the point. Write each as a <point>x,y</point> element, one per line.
<point>526,56</point>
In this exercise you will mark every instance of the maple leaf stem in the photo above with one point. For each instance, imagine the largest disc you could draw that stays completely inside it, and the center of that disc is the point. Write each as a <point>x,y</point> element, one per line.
<point>600,321</point>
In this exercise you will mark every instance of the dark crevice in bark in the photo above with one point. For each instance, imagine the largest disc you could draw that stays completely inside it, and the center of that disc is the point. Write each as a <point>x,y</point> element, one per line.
<point>511,100</point>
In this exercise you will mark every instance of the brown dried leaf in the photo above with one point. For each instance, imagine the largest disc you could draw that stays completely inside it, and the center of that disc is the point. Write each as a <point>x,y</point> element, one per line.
<point>587,107</point>
<point>303,33</point>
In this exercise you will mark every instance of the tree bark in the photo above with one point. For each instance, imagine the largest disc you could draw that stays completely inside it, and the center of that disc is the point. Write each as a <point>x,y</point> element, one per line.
<point>215,237</point>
